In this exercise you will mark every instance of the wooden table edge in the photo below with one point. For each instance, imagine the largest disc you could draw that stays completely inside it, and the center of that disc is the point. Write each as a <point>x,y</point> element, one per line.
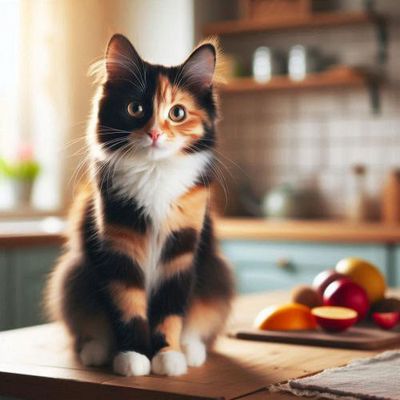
<point>20,386</point>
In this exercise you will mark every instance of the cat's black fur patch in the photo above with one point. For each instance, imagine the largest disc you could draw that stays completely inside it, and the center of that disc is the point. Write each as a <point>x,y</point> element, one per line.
<point>171,297</point>
<point>209,264</point>
<point>101,255</point>
<point>178,243</point>
<point>114,122</point>
<point>134,335</point>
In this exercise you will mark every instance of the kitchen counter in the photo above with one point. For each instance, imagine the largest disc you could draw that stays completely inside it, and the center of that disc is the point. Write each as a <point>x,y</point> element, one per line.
<point>32,232</point>
<point>36,363</point>
<point>307,230</point>
<point>51,231</point>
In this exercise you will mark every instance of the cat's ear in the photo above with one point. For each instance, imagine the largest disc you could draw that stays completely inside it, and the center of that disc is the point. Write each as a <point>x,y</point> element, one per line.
<point>198,69</point>
<point>122,60</point>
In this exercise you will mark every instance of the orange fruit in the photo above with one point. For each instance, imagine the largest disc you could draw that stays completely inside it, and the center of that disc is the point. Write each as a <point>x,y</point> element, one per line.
<point>285,317</point>
<point>364,274</point>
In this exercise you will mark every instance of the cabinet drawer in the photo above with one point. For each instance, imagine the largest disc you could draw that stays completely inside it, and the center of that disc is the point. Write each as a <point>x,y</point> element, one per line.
<point>262,265</point>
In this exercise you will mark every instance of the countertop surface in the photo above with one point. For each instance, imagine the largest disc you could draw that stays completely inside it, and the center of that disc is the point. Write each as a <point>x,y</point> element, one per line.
<point>51,230</point>
<point>307,230</point>
<point>37,363</point>
<point>33,231</point>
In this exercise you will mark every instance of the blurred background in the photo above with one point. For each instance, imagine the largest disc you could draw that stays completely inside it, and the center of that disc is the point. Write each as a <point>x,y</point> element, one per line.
<point>309,137</point>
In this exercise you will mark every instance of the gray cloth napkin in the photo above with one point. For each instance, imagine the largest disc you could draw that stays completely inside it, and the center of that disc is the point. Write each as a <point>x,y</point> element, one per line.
<point>376,378</point>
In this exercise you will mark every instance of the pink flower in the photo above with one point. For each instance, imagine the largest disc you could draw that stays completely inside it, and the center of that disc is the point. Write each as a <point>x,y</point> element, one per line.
<point>25,152</point>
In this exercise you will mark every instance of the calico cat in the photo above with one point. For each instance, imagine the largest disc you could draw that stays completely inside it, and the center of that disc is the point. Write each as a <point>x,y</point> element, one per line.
<point>141,278</point>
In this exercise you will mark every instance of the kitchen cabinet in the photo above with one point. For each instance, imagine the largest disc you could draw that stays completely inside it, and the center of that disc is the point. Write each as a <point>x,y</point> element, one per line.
<point>5,317</point>
<point>23,274</point>
<point>31,267</point>
<point>261,265</point>
<point>395,271</point>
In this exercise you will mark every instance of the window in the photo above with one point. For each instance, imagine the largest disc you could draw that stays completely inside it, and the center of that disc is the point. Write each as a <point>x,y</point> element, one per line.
<point>31,90</point>
<point>9,69</point>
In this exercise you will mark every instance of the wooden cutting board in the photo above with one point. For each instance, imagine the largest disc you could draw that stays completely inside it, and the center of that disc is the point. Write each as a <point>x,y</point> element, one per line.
<point>362,338</point>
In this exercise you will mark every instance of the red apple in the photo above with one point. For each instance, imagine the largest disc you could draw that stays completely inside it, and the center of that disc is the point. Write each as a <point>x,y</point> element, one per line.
<point>345,293</point>
<point>334,319</point>
<point>386,320</point>
<point>324,278</point>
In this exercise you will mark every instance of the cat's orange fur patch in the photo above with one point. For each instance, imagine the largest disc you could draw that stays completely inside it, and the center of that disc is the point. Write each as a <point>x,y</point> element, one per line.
<point>171,327</point>
<point>206,316</point>
<point>131,301</point>
<point>128,242</point>
<point>188,211</point>
<point>177,265</point>
<point>76,215</point>
<point>168,95</point>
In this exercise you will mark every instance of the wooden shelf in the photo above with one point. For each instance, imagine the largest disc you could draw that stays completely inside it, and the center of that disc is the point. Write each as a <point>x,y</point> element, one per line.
<point>306,230</point>
<point>316,20</point>
<point>338,77</point>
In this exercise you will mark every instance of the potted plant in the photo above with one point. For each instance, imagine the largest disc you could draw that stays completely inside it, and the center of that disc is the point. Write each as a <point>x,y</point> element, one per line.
<point>22,173</point>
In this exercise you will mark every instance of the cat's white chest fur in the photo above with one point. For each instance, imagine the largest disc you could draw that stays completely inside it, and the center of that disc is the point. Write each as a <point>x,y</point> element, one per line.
<point>154,185</point>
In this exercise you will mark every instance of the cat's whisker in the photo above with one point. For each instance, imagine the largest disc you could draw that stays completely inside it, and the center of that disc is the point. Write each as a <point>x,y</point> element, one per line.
<point>217,173</point>
<point>105,128</point>
<point>67,146</point>
<point>83,164</point>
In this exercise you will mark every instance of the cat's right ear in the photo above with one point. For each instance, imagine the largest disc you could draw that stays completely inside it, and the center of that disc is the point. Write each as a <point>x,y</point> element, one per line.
<point>122,60</point>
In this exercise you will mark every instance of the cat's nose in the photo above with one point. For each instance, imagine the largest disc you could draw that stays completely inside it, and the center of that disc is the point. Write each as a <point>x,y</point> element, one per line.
<point>154,134</point>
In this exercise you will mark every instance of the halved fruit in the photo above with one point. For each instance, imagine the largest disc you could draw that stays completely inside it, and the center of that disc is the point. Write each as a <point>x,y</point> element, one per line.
<point>334,319</point>
<point>286,317</point>
<point>386,320</point>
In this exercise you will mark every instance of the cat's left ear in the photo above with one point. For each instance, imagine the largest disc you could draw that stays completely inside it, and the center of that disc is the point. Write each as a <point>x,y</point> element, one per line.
<point>198,69</point>
<point>122,60</point>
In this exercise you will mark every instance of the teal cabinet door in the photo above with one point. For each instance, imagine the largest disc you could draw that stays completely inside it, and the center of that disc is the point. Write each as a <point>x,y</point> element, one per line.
<point>261,266</point>
<point>5,305</point>
<point>395,267</point>
<point>30,269</point>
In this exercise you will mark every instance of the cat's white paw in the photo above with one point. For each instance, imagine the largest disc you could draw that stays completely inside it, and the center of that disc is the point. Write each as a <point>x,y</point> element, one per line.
<point>170,363</point>
<point>130,363</point>
<point>195,351</point>
<point>94,353</point>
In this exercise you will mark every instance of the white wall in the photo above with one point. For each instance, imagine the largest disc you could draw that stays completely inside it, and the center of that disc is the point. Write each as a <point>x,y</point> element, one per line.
<point>161,30</point>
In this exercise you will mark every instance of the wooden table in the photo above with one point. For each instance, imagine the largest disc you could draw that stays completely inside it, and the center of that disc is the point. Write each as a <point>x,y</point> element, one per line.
<point>36,363</point>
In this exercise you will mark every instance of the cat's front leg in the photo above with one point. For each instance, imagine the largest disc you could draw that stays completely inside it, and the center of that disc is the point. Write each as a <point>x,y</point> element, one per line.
<point>126,302</point>
<point>131,330</point>
<point>167,309</point>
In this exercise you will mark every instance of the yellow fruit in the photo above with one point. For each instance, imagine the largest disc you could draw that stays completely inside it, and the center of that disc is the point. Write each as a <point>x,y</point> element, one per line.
<point>364,274</point>
<point>285,317</point>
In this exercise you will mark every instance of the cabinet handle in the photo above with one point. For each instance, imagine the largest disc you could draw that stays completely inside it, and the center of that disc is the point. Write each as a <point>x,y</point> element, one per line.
<point>283,263</point>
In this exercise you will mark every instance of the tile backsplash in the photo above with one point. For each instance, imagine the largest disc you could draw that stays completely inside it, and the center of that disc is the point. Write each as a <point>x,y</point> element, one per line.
<point>314,137</point>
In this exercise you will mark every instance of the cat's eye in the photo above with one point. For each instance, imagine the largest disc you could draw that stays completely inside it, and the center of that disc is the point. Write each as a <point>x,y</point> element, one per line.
<point>135,109</point>
<point>177,113</point>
